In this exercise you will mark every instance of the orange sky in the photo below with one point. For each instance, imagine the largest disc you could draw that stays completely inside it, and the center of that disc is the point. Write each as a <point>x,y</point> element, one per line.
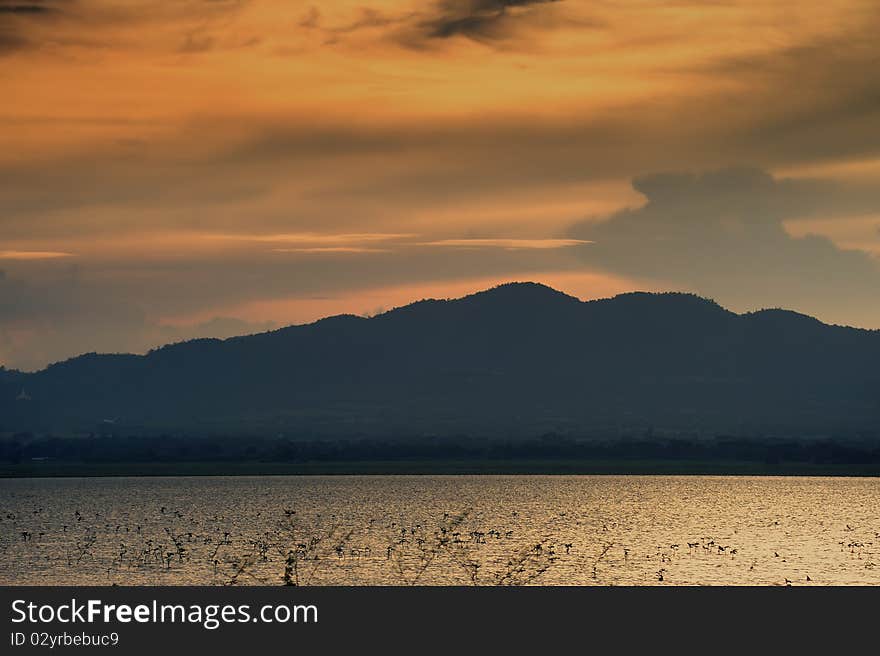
<point>166,164</point>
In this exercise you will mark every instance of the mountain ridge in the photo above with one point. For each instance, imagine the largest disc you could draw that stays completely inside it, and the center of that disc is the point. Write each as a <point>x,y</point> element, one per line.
<point>514,359</point>
<point>336,318</point>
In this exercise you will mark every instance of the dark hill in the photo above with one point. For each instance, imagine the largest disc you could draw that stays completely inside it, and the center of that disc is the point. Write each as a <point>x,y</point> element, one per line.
<point>517,359</point>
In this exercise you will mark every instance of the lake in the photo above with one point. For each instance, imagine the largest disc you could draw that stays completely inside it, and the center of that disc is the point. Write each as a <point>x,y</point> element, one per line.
<point>432,530</point>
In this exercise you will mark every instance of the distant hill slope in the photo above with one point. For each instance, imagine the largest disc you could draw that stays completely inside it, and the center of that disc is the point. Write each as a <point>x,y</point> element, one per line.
<point>517,359</point>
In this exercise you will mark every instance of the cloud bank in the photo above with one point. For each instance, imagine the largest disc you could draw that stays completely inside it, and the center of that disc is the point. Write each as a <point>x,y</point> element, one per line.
<point>723,234</point>
<point>168,163</point>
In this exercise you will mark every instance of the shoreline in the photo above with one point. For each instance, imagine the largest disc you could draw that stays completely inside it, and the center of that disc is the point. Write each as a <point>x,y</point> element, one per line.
<point>429,467</point>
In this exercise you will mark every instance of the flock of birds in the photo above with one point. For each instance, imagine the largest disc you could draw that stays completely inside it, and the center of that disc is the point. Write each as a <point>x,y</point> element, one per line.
<point>169,545</point>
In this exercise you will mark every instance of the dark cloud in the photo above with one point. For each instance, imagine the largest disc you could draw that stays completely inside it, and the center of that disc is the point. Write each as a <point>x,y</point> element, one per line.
<point>10,42</point>
<point>723,234</point>
<point>23,9</point>
<point>32,24</point>
<point>816,97</point>
<point>486,21</point>
<point>367,19</point>
<point>16,18</point>
<point>480,20</point>
<point>31,6</point>
<point>490,22</point>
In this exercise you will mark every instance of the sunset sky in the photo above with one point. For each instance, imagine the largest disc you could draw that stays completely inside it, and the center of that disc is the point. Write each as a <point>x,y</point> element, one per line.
<point>216,167</point>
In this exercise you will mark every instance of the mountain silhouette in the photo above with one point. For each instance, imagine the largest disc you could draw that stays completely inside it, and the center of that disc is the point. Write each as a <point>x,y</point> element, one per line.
<point>518,359</point>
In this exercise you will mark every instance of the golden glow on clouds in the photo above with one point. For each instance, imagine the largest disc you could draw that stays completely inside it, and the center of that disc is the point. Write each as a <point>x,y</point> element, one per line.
<point>253,154</point>
<point>330,249</point>
<point>314,237</point>
<point>33,255</point>
<point>509,244</point>
<point>586,285</point>
<point>134,70</point>
<point>867,169</point>
<point>848,232</point>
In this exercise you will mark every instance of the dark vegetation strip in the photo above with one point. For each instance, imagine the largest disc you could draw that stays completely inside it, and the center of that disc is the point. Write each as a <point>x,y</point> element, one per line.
<point>437,467</point>
<point>24,454</point>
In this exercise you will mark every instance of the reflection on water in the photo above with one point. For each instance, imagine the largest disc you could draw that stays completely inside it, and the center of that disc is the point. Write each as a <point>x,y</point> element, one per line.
<point>426,530</point>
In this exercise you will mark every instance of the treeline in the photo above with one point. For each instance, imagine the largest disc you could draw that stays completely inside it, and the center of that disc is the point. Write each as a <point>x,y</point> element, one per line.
<point>25,447</point>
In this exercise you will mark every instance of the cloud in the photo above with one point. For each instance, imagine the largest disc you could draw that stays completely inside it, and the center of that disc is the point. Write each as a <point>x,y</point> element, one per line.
<point>34,24</point>
<point>16,19</point>
<point>33,7</point>
<point>816,95</point>
<point>315,237</point>
<point>6,8</point>
<point>723,234</point>
<point>368,18</point>
<point>509,244</point>
<point>314,242</point>
<point>479,20</point>
<point>127,152</point>
<point>484,21</point>
<point>329,171</point>
<point>331,249</point>
<point>364,165</point>
<point>33,255</point>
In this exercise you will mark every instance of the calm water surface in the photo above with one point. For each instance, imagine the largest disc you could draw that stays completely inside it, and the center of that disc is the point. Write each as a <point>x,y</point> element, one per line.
<point>426,530</point>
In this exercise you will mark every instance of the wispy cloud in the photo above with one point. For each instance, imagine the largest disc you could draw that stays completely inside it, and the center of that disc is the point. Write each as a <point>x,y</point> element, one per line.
<point>22,8</point>
<point>34,24</point>
<point>314,237</point>
<point>400,241</point>
<point>508,244</point>
<point>331,249</point>
<point>33,255</point>
<point>484,21</point>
